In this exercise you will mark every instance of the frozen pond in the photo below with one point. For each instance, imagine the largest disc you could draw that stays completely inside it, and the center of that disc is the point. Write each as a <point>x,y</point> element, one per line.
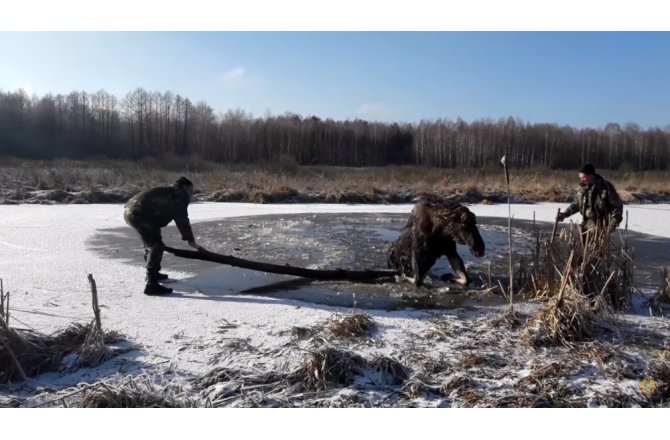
<point>319,241</point>
<point>46,253</point>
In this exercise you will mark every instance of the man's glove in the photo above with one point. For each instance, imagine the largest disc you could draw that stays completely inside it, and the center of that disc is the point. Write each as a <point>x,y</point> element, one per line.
<point>561,216</point>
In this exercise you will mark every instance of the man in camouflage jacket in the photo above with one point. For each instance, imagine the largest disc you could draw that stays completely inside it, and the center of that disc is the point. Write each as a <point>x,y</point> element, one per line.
<point>151,210</point>
<point>597,201</point>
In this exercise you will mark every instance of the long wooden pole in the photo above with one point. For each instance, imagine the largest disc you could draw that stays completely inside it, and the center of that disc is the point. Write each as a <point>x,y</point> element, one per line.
<point>509,235</point>
<point>336,274</point>
<point>2,300</point>
<point>555,230</point>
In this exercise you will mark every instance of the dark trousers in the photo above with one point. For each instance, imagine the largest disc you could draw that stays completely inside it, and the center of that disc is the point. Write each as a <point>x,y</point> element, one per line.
<point>153,244</point>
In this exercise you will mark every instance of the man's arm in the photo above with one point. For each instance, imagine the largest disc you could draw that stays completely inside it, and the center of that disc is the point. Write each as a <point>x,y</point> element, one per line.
<point>572,209</point>
<point>615,206</point>
<point>183,223</point>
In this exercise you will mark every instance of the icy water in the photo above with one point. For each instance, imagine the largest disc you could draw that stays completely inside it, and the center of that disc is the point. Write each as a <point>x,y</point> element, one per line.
<point>320,241</point>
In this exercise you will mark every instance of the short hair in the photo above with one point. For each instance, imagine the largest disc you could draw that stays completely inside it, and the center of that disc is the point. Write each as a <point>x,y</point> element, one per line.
<point>588,169</point>
<point>183,182</point>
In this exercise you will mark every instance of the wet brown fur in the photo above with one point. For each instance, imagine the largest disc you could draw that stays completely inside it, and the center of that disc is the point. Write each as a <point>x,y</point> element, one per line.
<point>432,230</point>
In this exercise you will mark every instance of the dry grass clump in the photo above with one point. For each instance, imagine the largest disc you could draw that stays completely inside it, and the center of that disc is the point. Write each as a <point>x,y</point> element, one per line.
<point>660,368</point>
<point>659,372</point>
<point>391,371</point>
<point>595,279</point>
<point>520,401</point>
<point>457,382</point>
<point>414,389</point>
<point>329,365</point>
<point>25,353</point>
<point>553,396</point>
<point>473,360</point>
<point>569,317</point>
<point>539,375</point>
<point>542,379</point>
<point>433,366</point>
<point>139,393</point>
<point>418,385</point>
<point>37,353</point>
<point>545,386</point>
<point>217,375</point>
<point>614,398</point>
<point>226,386</point>
<point>323,379</point>
<point>597,353</point>
<point>611,359</point>
<point>94,350</point>
<point>476,398</point>
<point>600,264</point>
<point>353,326</point>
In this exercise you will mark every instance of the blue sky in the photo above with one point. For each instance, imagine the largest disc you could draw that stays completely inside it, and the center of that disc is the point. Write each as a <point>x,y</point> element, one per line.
<point>575,78</point>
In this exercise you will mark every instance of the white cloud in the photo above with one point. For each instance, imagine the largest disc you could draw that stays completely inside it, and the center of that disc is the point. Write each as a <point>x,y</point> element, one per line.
<point>233,75</point>
<point>378,112</point>
<point>237,78</point>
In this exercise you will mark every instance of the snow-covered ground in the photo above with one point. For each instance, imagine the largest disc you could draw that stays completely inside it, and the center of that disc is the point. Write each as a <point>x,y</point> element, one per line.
<point>45,260</point>
<point>45,256</point>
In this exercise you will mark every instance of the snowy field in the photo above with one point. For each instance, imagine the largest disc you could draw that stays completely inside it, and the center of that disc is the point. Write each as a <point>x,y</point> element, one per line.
<point>46,254</point>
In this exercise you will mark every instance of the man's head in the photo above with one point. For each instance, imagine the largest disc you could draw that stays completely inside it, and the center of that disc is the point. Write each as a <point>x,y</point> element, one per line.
<point>186,185</point>
<point>587,175</point>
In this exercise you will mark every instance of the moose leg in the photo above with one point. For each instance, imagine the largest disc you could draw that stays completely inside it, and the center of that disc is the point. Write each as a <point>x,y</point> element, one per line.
<point>460,276</point>
<point>399,256</point>
<point>422,259</point>
<point>417,269</point>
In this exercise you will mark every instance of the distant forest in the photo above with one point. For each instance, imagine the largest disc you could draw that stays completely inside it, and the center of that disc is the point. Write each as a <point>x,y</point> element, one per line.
<point>92,125</point>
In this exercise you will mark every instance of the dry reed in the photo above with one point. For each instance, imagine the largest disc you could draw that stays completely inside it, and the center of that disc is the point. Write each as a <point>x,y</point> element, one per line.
<point>136,393</point>
<point>106,181</point>
<point>390,370</point>
<point>353,326</point>
<point>37,353</point>
<point>329,365</point>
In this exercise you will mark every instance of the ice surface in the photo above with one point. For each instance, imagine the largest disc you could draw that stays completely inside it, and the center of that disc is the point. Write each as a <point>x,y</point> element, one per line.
<point>47,251</point>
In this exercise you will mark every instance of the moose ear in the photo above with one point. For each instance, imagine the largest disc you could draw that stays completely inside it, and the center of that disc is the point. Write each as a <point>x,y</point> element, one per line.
<point>464,216</point>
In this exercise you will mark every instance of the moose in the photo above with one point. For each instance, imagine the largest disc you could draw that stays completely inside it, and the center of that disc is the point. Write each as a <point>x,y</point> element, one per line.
<point>432,230</point>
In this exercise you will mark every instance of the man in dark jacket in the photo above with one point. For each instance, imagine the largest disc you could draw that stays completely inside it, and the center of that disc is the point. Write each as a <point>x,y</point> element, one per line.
<point>151,210</point>
<point>597,201</point>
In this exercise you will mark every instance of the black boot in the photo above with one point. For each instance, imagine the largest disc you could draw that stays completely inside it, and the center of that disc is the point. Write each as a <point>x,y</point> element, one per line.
<point>153,288</point>
<point>155,277</point>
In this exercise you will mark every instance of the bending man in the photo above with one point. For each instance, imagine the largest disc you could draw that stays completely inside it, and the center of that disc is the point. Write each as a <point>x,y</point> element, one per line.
<point>151,210</point>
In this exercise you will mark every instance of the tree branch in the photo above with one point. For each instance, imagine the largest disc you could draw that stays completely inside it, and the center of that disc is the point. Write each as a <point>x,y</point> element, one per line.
<point>337,274</point>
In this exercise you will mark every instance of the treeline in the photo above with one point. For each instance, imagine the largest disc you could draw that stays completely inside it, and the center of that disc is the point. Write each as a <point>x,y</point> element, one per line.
<point>85,125</point>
